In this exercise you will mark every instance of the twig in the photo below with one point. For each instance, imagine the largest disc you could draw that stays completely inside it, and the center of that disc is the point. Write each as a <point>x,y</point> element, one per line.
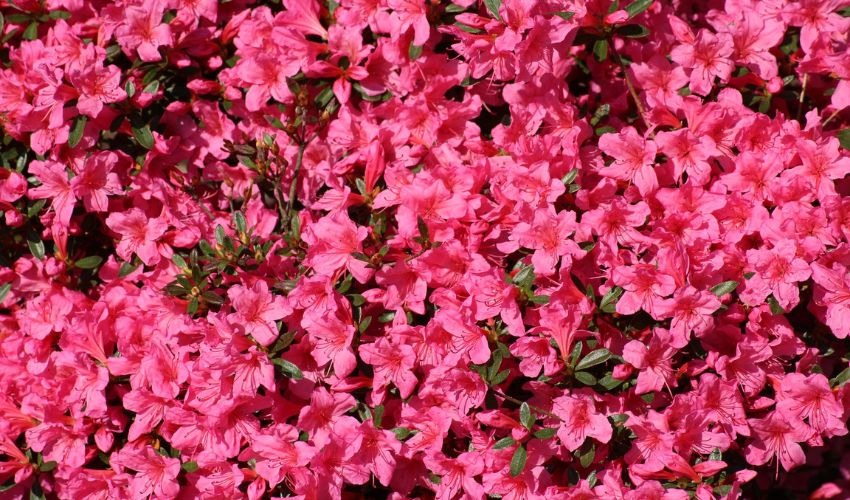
<point>830,117</point>
<point>535,408</point>
<point>294,183</point>
<point>802,96</point>
<point>630,85</point>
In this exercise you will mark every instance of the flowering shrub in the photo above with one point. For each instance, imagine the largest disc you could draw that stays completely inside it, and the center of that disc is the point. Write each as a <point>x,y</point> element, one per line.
<point>398,249</point>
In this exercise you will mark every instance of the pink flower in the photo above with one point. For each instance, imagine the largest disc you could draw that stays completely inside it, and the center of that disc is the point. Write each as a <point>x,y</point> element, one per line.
<point>155,474</point>
<point>333,239</point>
<point>139,235</point>
<point>580,420</point>
<point>257,310</point>
<point>393,363</point>
<point>777,436</point>
<point>633,156</point>
<point>54,185</point>
<point>143,31</point>
<point>549,236</point>
<point>654,361</point>
<point>777,272</point>
<point>96,181</point>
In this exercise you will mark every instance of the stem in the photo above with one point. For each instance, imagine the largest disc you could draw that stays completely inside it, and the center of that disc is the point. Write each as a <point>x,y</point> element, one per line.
<point>830,117</point>
<point>630,85</point>
<point>293,185</point>
<point>802,96</point>
<point>535,408</point>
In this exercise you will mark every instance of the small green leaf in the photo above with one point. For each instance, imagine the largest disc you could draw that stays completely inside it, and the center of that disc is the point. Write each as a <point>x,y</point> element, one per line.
<point>837,381</point>
<point>130,89</point>
<point>493,8</point>
<point>36,246</point>
<point>526,418</point>
<point>600,49</point>
<point>609,301</point>
<point>240,223</point>
<point>213,298</point>
<point>546,433</point>
<point>90,262</point>
<point>505,442</point>
<point>4,290</point>
<point>775,308</point>
<point>31,33</point>
<point>377,416</point>
<point>423,229</point>
<point>454,9</point>
<point>586,458</point>
<point>189,466</point>
<point>59,14</point>
<point>47,466</point>
<point>401,433</point>
<point>468,29</point>
<point>585,378</point>
<point>126,269</point>
<point>500,377</point>
<point>571,176</point>
<point>609,382</point>
<point>539,299</point>
<point>637,7</point>
<point>518,461</point>
<point>632,31</point>
<point>722,289</point>
<point>364,324</point>
<point>716,454</point>
<point>565,15</point>
<point>219,235</point>
<point>575,353</point>
<point>594,358</point>
<point>524,278</point>
<point>289,369</point>
<point>77,132</point>
<point>844,138</point>
<point>144,136</point>
<point>414,51</point>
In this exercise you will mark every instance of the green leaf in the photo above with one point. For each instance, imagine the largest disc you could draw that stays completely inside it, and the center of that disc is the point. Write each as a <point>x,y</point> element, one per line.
<point>4,290</point>
<point>401,433</point>
<point>518,461</point>
<point>609,382</point>
<point>59,14</point>
<point>77,132</point>
<point>716,454</point>
<point>632,31</point>
<point>364,324</point>
<point>524,278</point>
<point>775,308</point>
<point>565,15</point>
<point>468,29</point>
<point>240,223</point>
<point>493,7</point>
<point>539,299</point>
<point>144,136</point>
<point>36,246</point>
<point>189,466</point>
<point>289,369</point>
<point>414,51</point>
<point>47,466</point>
<point>423,229</point>
<point>151,88</point>
<point>571,175</point>
<point>500,377</point>
<point>585,378</point>
<point>637,7</point>
<point>844,138</point>
<point>126,269</point>
<point>575,353</point>
<point>213,298</point>
<point>130,89</point>
<point>837,381</point>
<point>722,289</point>
<point>377,416</point>
<point>454,9</point>
<point>505,442</point>
<point>90,262</point>
<point>219,235</point>
<point>609,300</point>
<point>600,49</point>
<point>594,358</point>
<point>31,33</point>
<point>192,308</point>
<point>546,433</point>
<point>35,208</point>
<point>586,458</point>
<point>526,418</point>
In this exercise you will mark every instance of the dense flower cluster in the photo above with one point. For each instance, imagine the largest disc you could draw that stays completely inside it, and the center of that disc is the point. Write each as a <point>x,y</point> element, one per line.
<point>515,249</point>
